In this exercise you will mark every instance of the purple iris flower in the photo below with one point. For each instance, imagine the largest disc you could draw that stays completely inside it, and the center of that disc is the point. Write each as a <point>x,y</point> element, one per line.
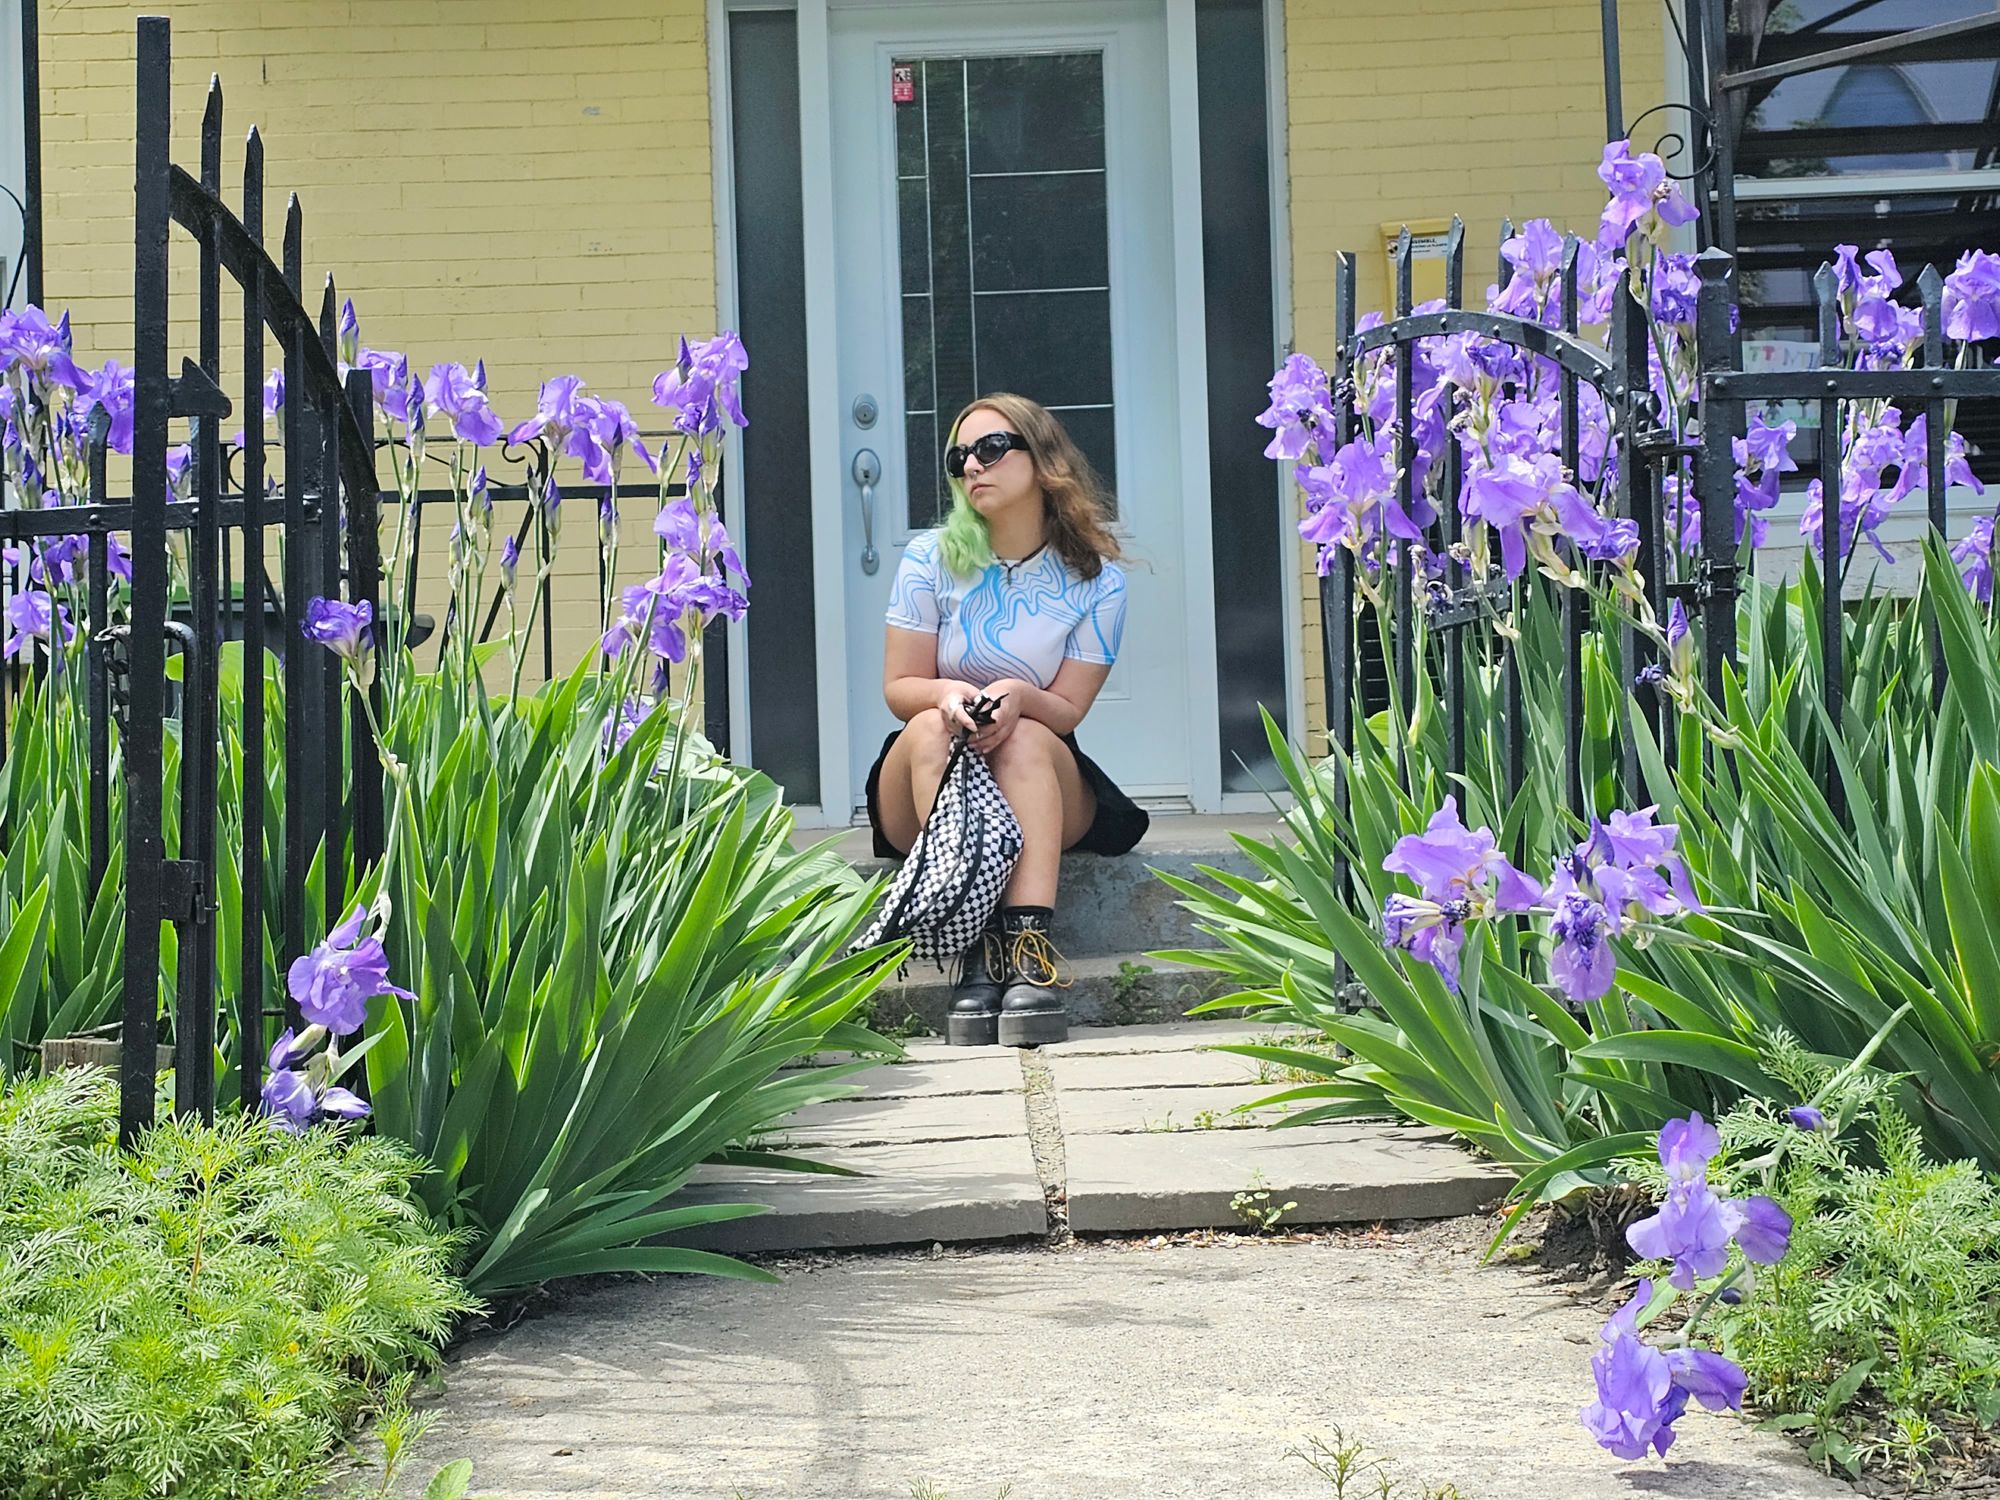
<point>288,1051</point>
<point>1461,874</point>
<point>180,471</point>
<point>510,559</point>
<point>334,983</point>
<point>1806,1117</point>
<point>703,386</point>
<point>1974,557</point>
<point>395,392</point>
<point>1768,447</point>
<point>1675,289</point>
<point>451,390</point>
<point>1583,964</point>
<point>289,1099</point>
<point>1537,251</point>
<point>555,413</point>
<point>1639,188</point>
<point>350,332</point>
<point>117,561</point>
<point>342,1104</point>
<point>1643,1391</point>
<point>33,615</point>
<point>1449,861</point>
<point>29,341</point>
<point>1972,297</point>
<point>341,628</point>
<point>1686,1147</point>
<point>665,599</point>
<point>620,724</point>
<point>1692,1229</point>
<point>1301,408</point>
<point>604,430</point>
<point>1765,1232</point>
<point>702,538</point>
<point>274,391</point>
<point>1635,1407</point>
<point>112,389</point>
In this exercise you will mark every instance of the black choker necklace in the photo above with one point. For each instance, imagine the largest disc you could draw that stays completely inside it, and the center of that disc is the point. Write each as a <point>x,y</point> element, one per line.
<point>1010,568</point>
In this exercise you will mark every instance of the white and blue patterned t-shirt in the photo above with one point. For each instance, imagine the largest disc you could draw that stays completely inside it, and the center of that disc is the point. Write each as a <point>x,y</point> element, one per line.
<point>994,626</point>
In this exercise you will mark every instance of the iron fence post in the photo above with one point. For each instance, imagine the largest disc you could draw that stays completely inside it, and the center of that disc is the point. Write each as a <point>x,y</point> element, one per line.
<point>1715,471</point>
<point>144,841</point>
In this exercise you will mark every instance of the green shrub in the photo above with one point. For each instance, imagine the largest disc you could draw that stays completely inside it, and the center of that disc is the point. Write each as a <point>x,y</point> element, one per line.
<point>1881,1328</point>
<point>205,1316</point>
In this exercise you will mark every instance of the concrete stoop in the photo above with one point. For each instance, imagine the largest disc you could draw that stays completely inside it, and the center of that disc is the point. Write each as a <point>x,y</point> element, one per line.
<point>1110,914</point>
<point>1130,1130</point>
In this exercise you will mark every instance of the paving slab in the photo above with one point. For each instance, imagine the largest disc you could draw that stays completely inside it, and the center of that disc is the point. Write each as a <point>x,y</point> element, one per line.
<point>1126,1111</point>
<point>1171,1036</point>
<point>947,1191</point>
<point>1345,1173</point>
<point>889,1120</point>
<point>1106,1372</point>
<point>963,1070</point>
<point>1180,1068</point>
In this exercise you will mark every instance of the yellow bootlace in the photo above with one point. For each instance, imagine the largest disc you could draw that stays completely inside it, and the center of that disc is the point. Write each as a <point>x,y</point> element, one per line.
<point>1032,946</point>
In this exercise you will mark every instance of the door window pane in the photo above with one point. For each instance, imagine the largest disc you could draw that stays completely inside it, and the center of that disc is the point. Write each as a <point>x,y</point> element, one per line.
<point>1002,222</point>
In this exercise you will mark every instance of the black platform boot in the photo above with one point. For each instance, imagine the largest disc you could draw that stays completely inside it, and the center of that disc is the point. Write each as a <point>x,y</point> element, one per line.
<point>1031,1009</point>
<point>973,1019</point>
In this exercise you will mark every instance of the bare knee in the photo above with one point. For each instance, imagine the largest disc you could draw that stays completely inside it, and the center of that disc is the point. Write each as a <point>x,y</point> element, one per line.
<point>928,735</point>
<point>1030,747</point>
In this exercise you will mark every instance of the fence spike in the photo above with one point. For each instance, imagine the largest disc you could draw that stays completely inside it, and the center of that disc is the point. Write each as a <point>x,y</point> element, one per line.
<point>1454,264</point>
<point>211,135</point>
<point>294,245</point>
<point>1402,261</point>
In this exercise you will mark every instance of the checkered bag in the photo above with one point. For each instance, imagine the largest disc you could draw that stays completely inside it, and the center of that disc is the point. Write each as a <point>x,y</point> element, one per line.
<point>958,866</point>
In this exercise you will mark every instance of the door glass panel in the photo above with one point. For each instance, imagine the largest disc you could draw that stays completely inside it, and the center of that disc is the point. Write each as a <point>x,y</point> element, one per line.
<point>1004,249</point>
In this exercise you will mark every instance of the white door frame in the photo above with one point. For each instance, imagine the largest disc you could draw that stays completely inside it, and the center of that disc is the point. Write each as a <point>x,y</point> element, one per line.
<point>828,479</point>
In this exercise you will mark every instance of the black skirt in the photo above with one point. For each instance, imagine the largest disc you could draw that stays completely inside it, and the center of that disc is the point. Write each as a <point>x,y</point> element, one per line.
<point>1118,825</point>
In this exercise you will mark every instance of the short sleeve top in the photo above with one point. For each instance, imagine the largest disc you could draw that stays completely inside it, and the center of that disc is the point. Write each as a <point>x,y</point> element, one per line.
<point>993,626</point>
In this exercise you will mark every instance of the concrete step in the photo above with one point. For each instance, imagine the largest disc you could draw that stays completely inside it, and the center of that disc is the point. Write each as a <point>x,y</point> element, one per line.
<point>1118,990</point>
<point>1112,907</point>
<point>1136,1132</point>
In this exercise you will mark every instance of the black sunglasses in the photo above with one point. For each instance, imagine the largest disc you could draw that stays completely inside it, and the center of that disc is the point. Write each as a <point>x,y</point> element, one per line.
<point>989,450</point>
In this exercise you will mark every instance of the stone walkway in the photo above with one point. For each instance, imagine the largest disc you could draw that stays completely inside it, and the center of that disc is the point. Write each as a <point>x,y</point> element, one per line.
<point>1141,1367</point>
<point>1119,1129</point>
<point>1113,1370</point>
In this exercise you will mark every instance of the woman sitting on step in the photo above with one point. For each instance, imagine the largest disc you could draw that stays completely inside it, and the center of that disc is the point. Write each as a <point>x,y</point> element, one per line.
<point>1018,595</point>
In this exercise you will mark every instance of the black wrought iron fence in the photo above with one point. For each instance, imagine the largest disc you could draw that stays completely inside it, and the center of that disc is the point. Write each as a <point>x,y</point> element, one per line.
<point>281,533</point>
<point>1663,459</point>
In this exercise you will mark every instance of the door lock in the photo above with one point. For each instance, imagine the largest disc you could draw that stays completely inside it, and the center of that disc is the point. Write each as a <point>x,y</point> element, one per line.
<point>865,412</point>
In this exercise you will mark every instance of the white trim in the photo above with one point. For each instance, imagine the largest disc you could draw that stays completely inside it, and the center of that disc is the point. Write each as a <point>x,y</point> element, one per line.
<point>828,481</point>
<point>1278,135</point>
<point>1204,710</point>
<point>1866,184</point>
<point>728,314</point>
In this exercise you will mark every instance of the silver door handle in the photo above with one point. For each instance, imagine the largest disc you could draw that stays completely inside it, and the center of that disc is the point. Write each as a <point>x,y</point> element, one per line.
<point>868,473</point>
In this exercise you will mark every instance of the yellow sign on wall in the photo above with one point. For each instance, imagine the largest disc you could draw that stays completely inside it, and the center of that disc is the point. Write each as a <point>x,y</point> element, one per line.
<point>1427,257</point>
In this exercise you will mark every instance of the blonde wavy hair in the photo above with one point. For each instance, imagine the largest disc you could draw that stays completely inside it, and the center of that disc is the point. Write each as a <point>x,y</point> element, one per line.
<point>1075,503</point>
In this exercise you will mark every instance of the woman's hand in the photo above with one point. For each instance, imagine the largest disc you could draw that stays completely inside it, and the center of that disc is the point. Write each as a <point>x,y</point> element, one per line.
<point>1012,697</point>
<point>951,701</point>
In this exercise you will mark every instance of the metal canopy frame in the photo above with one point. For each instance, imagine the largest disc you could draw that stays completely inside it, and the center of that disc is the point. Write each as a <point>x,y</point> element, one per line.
<point>1724,87</point>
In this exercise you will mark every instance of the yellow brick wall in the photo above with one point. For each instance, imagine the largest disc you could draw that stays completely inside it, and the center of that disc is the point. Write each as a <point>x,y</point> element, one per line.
<point>491,179</point>
<point>1406,110</point>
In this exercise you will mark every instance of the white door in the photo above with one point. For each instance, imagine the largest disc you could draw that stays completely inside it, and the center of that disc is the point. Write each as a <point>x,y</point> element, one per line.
<point>1003,221</point>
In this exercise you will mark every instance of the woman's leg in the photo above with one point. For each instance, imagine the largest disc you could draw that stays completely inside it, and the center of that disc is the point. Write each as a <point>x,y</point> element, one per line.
<point>1041,782</point>
<point>910,777</point>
